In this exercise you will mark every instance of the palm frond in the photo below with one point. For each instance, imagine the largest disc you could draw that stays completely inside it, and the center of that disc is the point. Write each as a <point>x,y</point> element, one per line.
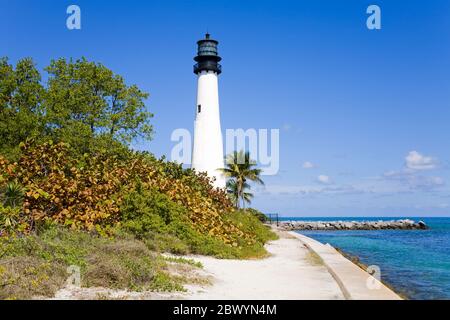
<point>240,168</point>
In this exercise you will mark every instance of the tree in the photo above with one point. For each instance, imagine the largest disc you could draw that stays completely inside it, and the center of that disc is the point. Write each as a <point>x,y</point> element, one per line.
<point>84,104</point>
<point>86,101</point>
<point>239,170</point>
<point>21,110</point>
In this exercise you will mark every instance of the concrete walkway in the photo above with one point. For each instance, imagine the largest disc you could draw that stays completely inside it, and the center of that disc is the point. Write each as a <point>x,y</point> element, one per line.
<point>290,273</point>
<point>354,282</point>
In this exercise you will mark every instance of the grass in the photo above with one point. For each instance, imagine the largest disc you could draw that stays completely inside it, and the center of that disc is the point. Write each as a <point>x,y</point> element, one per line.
<point>37,265</point>
<point>314,258</point>
<point>182,260</point>
<point>24,277</point>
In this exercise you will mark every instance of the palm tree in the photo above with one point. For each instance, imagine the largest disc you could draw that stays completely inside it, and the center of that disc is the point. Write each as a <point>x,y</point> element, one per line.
<point>239,170</point>
<point>233,193</point>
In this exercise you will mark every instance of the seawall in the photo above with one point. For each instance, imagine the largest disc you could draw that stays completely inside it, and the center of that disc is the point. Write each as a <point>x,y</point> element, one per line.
<point>354,282</point>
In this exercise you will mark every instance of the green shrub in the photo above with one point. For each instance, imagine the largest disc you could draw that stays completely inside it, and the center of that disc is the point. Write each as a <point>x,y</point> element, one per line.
<point>164,242</point>
<point>12,218</point>
<point>145,211</point>
<point>165,226</point>
<point>258,214</point>
<point>9,220</point>
<point>251,224</point>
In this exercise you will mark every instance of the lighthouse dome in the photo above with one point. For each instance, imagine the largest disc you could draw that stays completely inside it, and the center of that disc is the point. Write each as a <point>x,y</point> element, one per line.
<point>207,47</point>
<point>207,56</point>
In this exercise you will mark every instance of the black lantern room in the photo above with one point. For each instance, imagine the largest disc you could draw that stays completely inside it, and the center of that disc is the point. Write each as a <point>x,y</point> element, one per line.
<point>207,57</point>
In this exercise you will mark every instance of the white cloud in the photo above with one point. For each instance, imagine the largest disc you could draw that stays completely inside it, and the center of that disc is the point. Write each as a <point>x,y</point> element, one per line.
<point>286,127</point>
<point>308,190</point>
<point>409,177</point>
<point>414,181</point>
<point>309,165</point>
<point>436,181</point>
<point>391,184</point>
<point>416,161</point>
<point>323,179</point>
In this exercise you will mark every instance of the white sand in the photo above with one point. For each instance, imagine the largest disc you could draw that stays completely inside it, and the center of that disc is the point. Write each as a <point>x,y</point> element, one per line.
<point>290,273</point>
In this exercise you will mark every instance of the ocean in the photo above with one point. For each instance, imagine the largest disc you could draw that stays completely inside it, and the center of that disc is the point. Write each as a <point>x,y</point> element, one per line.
<point>414,263</point>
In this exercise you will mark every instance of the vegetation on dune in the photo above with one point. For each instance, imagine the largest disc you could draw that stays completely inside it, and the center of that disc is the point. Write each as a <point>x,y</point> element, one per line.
<point>258,214</point>
<point>152,199</point>
<point>73,193</point>
<point>36,265</point>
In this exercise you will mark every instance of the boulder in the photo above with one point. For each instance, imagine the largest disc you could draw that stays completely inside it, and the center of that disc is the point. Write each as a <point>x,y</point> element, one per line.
<point>422,225</point>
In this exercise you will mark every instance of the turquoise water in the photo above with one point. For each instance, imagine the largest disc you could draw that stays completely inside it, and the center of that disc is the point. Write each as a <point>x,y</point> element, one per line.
<point>415,263</point>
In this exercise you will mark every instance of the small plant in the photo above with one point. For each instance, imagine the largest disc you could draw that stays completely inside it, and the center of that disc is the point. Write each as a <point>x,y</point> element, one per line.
<point>12,219</point>
<point>9,220</point>
<point>12,195</point>
<point>182,260</point>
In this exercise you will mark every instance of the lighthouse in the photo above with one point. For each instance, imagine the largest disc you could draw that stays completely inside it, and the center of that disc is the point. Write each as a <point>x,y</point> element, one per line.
<point>207,155</point>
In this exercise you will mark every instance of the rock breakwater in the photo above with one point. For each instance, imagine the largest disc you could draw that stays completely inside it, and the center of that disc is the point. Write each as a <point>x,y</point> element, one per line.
<point>353,225</point>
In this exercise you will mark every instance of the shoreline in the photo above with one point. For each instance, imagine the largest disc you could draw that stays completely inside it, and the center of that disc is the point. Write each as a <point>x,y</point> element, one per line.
<point>355,282</point>
<point>297,268</point>
<point>356,260</point>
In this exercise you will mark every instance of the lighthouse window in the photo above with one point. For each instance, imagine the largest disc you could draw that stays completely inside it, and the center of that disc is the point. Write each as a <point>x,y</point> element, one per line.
<point>199,108</point>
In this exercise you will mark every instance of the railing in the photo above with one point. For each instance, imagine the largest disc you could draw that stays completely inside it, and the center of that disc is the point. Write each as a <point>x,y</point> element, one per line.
<point>273,218</point>
<point>208,65</point>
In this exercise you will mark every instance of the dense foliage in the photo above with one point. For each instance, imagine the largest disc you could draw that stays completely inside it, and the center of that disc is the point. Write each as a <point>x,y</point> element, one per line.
<point>83,103</point>
<point>101,192</point>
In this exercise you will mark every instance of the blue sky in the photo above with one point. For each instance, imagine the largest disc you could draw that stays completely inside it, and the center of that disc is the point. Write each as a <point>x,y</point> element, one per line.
<point>369,110</point>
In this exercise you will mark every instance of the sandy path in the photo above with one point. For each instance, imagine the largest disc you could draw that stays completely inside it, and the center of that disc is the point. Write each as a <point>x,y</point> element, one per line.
<point>290,273</point>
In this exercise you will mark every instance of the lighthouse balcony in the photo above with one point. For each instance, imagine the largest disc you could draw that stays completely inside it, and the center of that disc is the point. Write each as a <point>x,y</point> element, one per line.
<point>207,66</point>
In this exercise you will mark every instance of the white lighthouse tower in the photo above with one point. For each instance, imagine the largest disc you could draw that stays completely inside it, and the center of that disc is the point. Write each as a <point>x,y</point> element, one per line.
<point>207,155</point>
